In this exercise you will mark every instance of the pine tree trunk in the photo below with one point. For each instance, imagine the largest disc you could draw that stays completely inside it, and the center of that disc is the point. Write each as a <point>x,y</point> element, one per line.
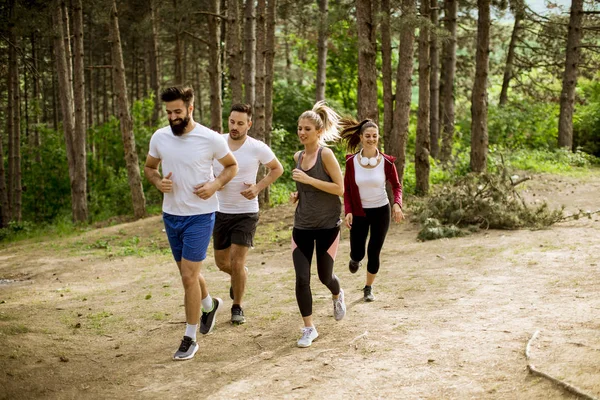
<point>37,101</point>
<point>79,134</point>
<point>258,126</point>
<point>399,136</point>
<point>234,53</point>
<point>508,67</point>
<point>322,49</point>
<point>214,68</point>
<point>434,88</point>
<point>286,42</point>
<point>126,122</point>
<point>479,132</point>
<point>367,57</point>
<point>567,95</point>
<point>65,89</point>
<point>386,69</point>
<point>249,53</point>
<point>423,118</point>
<point>154,64</point>
<point>447,79</point>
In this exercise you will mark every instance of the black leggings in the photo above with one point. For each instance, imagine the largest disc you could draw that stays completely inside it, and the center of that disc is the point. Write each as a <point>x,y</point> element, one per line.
<point>378,219</point>
<point>304,242</point>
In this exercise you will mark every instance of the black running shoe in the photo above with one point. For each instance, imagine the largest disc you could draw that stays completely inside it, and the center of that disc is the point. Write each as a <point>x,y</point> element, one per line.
<point>353,266</point>
<point>237,316</point>
<point>207,321</point>
<point>187,349</point>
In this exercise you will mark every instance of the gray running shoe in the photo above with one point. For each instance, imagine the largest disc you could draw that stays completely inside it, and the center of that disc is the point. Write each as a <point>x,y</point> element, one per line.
<point>237,316</point>
<point>207,320</point>
<point>353,266</point>
<point>339,307</point>
<point>368,291</point>
<point>308,335</point>
<point>187,349</point>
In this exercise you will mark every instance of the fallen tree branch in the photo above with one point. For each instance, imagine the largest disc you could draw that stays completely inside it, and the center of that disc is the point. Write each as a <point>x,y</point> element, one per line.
<point>564,385</point>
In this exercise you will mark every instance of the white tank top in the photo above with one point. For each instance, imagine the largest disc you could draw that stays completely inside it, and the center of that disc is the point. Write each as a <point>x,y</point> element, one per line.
<point>371,184</point>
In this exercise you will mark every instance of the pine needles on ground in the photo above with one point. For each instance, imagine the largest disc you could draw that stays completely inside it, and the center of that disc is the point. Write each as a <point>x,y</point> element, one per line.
<point>480,201</point>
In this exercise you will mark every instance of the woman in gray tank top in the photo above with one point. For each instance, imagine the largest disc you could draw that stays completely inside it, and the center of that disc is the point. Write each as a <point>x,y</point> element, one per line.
<point>319,185</point>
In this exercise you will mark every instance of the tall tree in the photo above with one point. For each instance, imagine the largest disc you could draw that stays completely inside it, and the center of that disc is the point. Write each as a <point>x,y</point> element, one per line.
<point>4,204</point>
<point>447,79</point>
<point>367,57</point>
<point>322,49</point>
<point>434,88</point>
<point>154,63</point>
<point>65,88</point>
<point>214,66</point>
<point>131,159</point>
<point>386,70</point>
<point>258,126</point>
<point>423,135</point>
<point>518,9</point>
<point>249,52</point>
<point>567,95</point>
<point>269,72</point>
<point>234,53</point>
<point>79,132</point>
<point>398,140</point>
<point>479,110</point>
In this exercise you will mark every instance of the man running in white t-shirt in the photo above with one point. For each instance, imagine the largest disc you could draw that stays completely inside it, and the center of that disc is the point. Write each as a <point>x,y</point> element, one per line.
<point>187,150</point>
<point>237,218</point>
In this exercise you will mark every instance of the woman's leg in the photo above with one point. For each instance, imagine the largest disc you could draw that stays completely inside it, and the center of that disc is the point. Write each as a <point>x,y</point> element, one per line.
<point>302,252</point>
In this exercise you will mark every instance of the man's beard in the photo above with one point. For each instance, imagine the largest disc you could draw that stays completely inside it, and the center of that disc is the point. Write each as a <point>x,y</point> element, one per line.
<point>179,128</point>
<point>237,133</point>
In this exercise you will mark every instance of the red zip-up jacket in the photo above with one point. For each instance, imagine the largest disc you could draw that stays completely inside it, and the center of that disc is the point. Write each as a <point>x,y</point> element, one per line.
<point>352,202</point>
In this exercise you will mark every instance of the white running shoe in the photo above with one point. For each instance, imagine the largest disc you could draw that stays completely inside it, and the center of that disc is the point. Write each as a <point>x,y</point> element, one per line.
<point>308,335</point>
<point>339,307</point>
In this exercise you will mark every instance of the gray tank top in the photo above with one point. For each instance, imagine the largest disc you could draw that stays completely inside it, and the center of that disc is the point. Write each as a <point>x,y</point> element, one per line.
<point>316,209</point>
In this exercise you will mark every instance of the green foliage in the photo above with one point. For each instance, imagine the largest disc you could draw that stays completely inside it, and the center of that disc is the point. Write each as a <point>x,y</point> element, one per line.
<point>586,121</point>
<point>544,160</point>
<point>481,201</point>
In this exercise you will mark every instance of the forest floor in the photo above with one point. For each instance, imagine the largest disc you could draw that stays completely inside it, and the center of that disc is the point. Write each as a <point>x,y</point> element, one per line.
<point>99,315</point>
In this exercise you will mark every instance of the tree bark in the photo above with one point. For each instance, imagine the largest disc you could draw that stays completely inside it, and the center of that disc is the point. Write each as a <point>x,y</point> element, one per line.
<point>479,110</point>
<point>567,95</point>
<point>79,132</point>
<point>214,67</point>
<point>434,89</point>
<point>126,122</point>
<point>367,57</point>
<point>423,118</point>
<point>154,64</point>
<point>386,69</point>
<point>399,136</point>
<point>65,89</point>
<point>249,53</point>
<point>322,49</point>
<point>234,53</point>
<point>258,126</point>
<point>447,79</point>
<point>286,42</point>
<point>508,67</point>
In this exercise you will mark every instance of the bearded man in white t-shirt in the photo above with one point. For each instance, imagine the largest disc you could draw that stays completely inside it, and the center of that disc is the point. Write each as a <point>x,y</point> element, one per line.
<point>237,218</point>
<point>186,151</point>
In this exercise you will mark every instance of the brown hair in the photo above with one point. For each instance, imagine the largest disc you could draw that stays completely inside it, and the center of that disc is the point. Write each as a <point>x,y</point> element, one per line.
<point>352,130</point>
<point>185,93</point>
<point>243,108</point>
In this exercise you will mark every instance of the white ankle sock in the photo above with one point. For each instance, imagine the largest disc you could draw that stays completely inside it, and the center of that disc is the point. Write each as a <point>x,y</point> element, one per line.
<point>190,331</point>
<point>207,304</point>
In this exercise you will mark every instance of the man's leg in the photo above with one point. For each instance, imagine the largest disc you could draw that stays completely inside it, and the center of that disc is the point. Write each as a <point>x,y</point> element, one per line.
<point>238,272</point>
<point>223,260</point>
<point>191,278</point>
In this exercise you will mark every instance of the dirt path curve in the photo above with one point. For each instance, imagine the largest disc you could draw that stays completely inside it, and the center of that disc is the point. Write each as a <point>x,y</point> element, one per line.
<point>99,315</point>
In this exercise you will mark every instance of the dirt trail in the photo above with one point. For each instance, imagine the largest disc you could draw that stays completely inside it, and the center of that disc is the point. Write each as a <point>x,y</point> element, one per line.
<point>99,316</point>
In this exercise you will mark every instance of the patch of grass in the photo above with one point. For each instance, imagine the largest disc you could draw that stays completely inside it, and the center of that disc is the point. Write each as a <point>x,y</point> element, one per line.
<point>15,329</point>
<point>160,316</point>
<point>6,317</point>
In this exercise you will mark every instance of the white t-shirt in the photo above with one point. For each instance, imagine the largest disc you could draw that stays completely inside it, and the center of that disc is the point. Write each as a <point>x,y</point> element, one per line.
<point>371,184</point>
<point>190,159</point>
<point>249,157</point>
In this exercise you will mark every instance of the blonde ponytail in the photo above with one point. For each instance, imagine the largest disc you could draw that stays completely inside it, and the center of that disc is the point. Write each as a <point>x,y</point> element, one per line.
<point>325,119</point>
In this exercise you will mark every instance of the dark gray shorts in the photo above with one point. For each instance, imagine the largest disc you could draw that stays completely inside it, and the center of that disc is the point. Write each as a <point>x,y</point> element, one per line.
<point>234,228</point>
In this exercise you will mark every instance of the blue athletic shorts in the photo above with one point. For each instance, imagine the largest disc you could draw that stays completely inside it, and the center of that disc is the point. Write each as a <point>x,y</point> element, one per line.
<point>189,236</point>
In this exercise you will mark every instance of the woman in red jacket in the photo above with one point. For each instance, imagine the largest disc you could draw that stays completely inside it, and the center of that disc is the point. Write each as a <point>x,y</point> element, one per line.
<point>365,200</point>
